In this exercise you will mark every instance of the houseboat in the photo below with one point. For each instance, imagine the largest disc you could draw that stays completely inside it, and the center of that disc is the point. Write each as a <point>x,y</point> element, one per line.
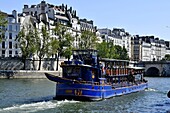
<point>88,77</point>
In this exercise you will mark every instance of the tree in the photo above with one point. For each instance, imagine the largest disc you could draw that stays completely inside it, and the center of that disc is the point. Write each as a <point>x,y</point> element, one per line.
<point>103,50</point>
<point>26,39</point>
<point>167,57</point>
<point>112,51</point>
<point>3,23</point>
<point>43,43</point>
<point>124,55</point>
<point>68,44</point>
<point>65,40</point>
<point>118,50</point>
<point>108,50</point>
<point>88,40</point>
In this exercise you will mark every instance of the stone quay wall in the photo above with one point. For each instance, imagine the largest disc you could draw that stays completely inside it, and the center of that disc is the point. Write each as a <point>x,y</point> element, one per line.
<point>17,64</point>
<point>23,74</point>
<point>13,68</point>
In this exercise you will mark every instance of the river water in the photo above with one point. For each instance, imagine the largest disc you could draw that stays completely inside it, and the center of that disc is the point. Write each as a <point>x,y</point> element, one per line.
<point>35,95</point>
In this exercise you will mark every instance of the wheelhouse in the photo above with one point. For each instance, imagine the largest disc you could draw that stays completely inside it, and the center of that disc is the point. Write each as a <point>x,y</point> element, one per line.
<point>83,67</point>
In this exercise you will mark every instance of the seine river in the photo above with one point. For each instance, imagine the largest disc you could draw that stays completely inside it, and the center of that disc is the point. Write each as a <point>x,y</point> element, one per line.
<point>35,95</point>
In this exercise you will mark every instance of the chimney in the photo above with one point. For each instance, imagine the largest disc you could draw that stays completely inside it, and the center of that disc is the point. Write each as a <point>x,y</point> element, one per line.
<point>14,13</point>
<point>25,6</point>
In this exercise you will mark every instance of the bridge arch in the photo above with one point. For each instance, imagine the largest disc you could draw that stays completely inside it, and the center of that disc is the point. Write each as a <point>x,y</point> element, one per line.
<point>152,71</point>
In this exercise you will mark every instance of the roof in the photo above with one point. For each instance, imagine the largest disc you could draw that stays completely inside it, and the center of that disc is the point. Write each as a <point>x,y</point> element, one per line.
<point>113,60</point>
<point>61,17</point>
<point>136,68</point>
<point>11,16</point>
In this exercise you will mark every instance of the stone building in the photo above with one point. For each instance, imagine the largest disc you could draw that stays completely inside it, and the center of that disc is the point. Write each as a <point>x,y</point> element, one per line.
<point>117,37</point>
<point>8,46</point>
<point>148,48</point>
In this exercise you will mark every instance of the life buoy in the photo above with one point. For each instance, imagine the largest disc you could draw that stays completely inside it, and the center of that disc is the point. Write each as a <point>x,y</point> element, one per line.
<point>78,92</point>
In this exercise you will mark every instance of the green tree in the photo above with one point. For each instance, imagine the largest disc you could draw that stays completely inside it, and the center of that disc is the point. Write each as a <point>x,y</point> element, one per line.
<point>108,50</point>
<point>103,50</point>
<point>124,55</point>
<point>65,41</point>
<point>43,44</point>
<point>68,44</point>
<point>53,47</point>
<point>88,40</point>
<point>112,51</point>
<point>167,57</point>
<point>26,39</point>
<point>3,23</point>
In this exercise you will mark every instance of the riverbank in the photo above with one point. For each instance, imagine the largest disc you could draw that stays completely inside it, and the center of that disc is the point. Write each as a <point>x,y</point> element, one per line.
<point>25,74</point>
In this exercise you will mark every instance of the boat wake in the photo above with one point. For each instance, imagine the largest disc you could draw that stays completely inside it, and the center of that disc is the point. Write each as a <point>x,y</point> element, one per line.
<point>151,89</point>
<point>34,107</point>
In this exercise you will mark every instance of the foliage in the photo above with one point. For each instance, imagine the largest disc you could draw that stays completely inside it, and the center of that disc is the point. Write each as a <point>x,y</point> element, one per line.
<point>59,31</point>
<point>65,41</point>
<point>167,57</point>
<point>3,23</point>
<point>108,50</point>
<point>26,39</point>
<point>124,54</point>
<point>103,50</point>
<point>68,43</point>
<point>43,43</point>
<point>53,46</point>
<point>88,40</point>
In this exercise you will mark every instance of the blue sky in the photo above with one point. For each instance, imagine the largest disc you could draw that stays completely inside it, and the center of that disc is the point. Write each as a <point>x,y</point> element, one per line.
<point>143,17</point>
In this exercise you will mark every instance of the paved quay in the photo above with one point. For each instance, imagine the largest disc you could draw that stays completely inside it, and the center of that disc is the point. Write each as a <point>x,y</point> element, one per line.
<point>26,74</point>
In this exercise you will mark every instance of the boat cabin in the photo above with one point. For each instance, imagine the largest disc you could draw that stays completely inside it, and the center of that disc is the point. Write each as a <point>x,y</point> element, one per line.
<point>83,66</point>
<point>114,67</point>
<point>88,57</point>
<point>118,71</point>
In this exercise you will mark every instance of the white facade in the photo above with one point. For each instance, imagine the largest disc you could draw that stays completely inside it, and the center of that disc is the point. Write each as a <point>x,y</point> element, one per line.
<point>57,13</point>
<point>87,25</point>
<point>152,49</point>
<point>8,46</point>
<point>118,37</point>
<point>146,51</point>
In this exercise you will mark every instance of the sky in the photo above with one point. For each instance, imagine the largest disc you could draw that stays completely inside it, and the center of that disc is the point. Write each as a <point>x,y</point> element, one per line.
<point>138,17</point>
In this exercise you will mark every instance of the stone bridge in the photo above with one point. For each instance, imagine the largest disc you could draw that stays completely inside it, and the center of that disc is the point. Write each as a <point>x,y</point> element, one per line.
<point>156,68</point>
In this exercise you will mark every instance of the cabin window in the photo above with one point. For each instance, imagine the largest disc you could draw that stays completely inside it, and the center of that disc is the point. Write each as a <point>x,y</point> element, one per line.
<point>73,71</point>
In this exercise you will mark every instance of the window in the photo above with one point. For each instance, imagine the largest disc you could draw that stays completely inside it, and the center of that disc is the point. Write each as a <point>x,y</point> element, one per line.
<point>3,53</point>
<point>3,44</point>
<point>19,20</point>
<point>16,28</point>
<point>10,20</point>
<point>10,45</point>
<point>10,53</point>
<point>16,46</point>
<point>10,35</point>
<point>16,52</point>
<point>16,37</point>
<point>10,27</point>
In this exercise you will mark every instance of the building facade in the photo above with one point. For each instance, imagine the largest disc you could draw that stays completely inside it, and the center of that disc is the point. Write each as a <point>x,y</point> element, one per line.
<point>117,37</point>
<point>8,46</point>
<point>148,48</point>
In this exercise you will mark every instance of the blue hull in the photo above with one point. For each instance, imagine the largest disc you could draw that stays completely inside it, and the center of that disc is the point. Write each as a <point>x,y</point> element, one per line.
<point>88,92</point>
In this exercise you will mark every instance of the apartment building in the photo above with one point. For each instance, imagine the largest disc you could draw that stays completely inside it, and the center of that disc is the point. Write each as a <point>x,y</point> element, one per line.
<point>117,37</point>
<point>87,25</point>
<point>8,46</point>
<point>148,48</point>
